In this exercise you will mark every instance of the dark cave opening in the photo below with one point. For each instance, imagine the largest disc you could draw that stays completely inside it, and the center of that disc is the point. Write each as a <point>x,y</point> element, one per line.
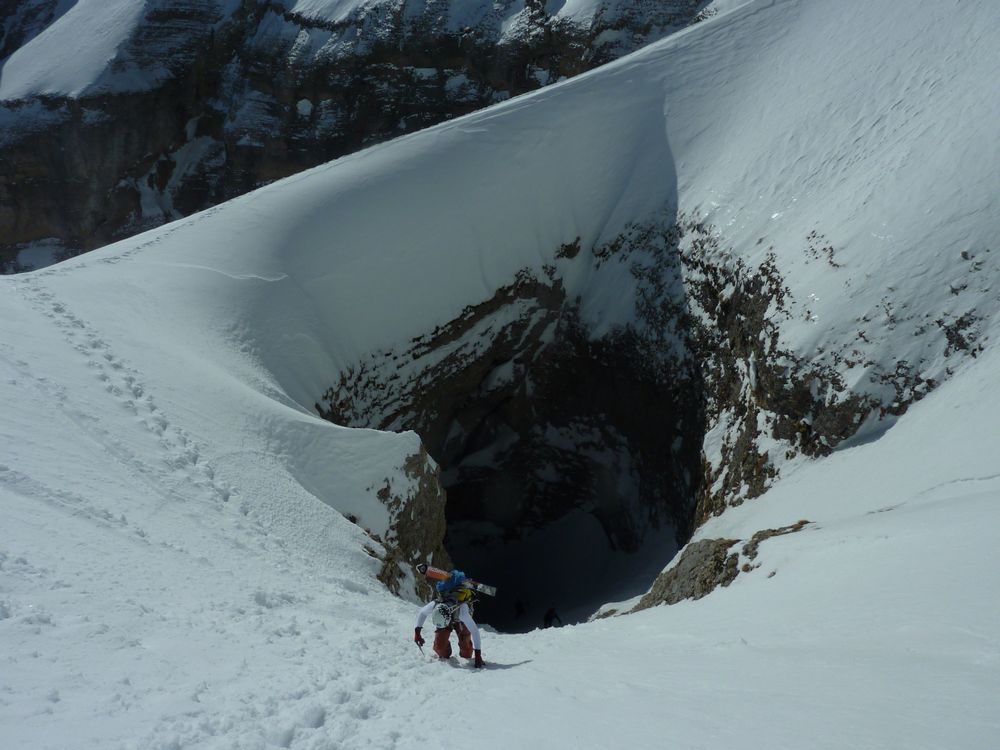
<point>571,461</point>
<point>567,508</point>
<point>568,428</point>
<point>571,467</point>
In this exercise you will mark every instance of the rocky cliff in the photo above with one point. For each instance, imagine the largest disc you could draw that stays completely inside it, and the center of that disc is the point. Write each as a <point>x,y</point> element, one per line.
<point>203,101</point>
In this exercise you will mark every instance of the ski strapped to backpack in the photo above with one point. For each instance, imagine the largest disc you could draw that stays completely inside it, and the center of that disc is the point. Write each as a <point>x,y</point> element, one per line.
<point>436,574</point>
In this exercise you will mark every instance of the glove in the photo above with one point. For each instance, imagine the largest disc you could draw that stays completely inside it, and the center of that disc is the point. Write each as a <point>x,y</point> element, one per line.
<point>417,638</point>
<point>479,659</point>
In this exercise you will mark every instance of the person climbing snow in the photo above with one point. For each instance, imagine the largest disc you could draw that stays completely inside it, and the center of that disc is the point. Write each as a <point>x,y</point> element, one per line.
<point>450,610</point>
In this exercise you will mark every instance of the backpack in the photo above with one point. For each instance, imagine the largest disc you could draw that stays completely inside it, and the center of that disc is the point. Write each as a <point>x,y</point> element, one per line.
<point>445,613</point>
<point>448,585</point>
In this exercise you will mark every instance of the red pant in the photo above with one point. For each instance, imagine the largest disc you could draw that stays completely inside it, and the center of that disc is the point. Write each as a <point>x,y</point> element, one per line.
<point>442,641</point>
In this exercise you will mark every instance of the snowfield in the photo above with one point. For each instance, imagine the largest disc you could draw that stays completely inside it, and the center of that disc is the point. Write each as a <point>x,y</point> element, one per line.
<point>176,565</point>
<point>75,52</point>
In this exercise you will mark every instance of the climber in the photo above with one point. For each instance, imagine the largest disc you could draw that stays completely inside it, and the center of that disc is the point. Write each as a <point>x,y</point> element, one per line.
<point>450,610</point>
<point>550,618</point>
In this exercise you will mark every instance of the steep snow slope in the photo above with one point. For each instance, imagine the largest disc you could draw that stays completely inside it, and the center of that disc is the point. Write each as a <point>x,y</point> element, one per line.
<point>171,571</point>
<point>72,53</point>
<point>89,47</point>
<point>184,625</point>
<point>873,131</point>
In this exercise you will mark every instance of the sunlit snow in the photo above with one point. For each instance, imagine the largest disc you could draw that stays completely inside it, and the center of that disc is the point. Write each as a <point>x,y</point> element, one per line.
<point>176,565</point>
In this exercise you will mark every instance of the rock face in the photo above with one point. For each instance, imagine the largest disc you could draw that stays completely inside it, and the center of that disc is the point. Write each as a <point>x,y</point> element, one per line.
<point>707,564</point>
<point>531,418</point>
<point>418,530</point>
<point>207,100</point>
<point>703,565</point>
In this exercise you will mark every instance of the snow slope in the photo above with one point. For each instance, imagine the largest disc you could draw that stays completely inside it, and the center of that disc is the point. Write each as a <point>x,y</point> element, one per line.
<point>99,47</point>
<point>172,569</point>
<point>72,53</point>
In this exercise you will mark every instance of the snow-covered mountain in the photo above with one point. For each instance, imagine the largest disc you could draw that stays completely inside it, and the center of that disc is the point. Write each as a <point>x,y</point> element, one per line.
<point>163,108</point>
<point>736,291</point>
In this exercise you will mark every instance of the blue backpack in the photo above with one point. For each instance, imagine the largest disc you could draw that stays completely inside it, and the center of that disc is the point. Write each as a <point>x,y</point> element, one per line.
<point>457,579</point>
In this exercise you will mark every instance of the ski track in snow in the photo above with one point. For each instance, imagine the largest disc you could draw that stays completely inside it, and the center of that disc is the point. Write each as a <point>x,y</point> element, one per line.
<point>181,454</point>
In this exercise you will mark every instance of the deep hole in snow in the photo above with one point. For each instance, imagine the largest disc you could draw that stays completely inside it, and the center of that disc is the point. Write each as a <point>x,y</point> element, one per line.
<point>563,486</point>
<point>570,461</point>
<point>569,426</point>
<point>566,477</point>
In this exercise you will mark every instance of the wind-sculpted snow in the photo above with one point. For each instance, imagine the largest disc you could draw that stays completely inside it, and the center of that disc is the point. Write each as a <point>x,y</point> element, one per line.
<point>191,557</point>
